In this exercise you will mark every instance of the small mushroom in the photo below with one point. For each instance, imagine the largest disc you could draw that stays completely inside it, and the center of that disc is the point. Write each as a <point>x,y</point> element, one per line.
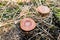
<point>44,10</point>
<point>27,24</point>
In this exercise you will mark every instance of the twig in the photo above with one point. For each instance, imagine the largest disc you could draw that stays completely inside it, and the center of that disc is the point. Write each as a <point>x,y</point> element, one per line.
<point>35,35</point>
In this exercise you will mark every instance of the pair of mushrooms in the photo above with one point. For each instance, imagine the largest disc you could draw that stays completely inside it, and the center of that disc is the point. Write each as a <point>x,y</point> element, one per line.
<point>28,24</point>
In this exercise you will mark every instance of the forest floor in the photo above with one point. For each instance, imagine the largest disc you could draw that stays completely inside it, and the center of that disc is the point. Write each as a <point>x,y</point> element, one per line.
<point>48,28</point>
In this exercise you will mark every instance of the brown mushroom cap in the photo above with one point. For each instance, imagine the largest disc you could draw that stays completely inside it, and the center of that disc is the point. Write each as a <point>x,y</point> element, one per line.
<point>27,24</point>
<point>43,9</point>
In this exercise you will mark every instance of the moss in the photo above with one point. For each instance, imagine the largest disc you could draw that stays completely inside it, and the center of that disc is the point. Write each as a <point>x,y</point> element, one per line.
<point>56,9</point>
<point>57,12</point>
<point>20,3</point>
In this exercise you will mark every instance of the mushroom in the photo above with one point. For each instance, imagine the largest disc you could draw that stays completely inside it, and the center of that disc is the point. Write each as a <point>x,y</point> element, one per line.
<point>27,24</point>
<point>43,10</point>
